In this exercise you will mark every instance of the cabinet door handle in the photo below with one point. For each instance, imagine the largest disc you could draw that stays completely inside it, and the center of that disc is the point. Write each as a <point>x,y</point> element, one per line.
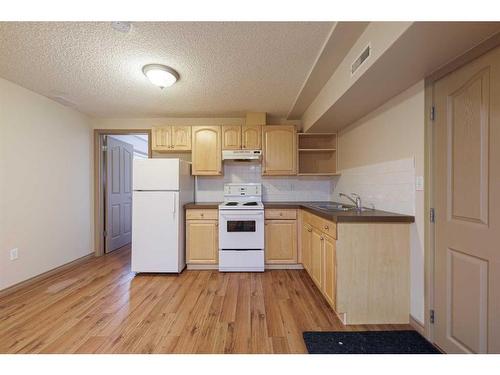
<point>309,230</point>
<point>326,227</point>
<point>202,215</point>
<point>322,238</point>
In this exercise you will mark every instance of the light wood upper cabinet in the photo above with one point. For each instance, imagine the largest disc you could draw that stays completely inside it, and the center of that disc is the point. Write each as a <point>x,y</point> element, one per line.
<point>181,138</point>
<point>330,269</point>
<point>161,138</point>
<point>251,137</point>
<point>202,241</point>
<point>236,137</point>
<point>171,138</point>
<point>231,137</point>
<point>281,241</point>
<point>279,150</point>
<point>207,151</point>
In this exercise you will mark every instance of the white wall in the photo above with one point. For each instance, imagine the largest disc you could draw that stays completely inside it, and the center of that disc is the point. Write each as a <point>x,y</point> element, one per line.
<point>211,189</point>
<point>45,184</point>
<point>377,157</point>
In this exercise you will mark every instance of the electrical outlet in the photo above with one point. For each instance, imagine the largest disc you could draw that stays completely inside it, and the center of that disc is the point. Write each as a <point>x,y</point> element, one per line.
<point>14,254</point>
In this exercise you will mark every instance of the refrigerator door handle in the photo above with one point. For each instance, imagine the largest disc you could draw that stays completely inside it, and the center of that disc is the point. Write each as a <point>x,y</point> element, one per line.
<point>173,205</point>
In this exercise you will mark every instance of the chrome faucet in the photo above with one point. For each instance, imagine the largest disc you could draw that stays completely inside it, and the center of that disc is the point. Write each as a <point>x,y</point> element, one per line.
<point>356,200</point>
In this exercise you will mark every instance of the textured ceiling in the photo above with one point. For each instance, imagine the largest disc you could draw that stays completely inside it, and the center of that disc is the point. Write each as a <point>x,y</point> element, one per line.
<point>226,69</point>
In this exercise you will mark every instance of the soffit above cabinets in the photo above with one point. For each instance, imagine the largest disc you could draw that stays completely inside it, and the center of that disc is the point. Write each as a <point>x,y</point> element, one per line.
<point>339,42</point>
<point>402,53</point>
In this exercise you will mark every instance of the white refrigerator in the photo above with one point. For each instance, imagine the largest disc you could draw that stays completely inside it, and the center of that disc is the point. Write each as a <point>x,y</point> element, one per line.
<point>161,187</point>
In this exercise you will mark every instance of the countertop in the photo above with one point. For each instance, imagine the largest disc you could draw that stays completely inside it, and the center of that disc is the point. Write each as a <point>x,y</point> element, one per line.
<point>368,216</point>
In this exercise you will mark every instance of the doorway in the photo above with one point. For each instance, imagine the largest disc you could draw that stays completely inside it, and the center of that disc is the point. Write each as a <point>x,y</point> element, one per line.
<point>466,195</point>
<point>114,153</point>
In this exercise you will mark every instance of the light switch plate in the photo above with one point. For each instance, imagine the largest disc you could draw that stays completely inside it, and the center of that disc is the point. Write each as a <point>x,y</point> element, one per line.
<point>419,183</point>
<point>14,254</point>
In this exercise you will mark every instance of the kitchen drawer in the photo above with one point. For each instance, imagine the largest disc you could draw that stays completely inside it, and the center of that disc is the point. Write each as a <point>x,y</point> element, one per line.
<point>280,214</point>
<point>202,214</point>
<point>325,226</point>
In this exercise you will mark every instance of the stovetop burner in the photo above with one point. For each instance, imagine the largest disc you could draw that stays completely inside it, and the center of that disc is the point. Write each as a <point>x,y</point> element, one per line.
<point>250,204</point>
<point>231,204</point>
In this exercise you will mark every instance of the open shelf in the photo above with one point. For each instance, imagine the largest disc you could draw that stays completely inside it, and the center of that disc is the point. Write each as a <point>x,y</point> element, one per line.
<point>317,154</point>
<point>309,141</point>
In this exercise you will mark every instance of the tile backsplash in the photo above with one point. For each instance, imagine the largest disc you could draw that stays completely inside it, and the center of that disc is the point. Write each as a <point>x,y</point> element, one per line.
<point>389,186</point>
<point>211,189</point>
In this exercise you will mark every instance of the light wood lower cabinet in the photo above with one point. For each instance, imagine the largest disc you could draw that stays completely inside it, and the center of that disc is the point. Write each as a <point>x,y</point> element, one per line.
<point>280,236</point>
<point>305,238</point>
<point>281,241</point>
<point>362,269</point>
<point>202,237</point>
<point>316,272</point>
<point>330,270</point>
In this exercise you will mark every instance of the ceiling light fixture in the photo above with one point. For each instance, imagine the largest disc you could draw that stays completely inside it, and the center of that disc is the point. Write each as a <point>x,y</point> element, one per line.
<point>160,75</point>
<point>121,26</point>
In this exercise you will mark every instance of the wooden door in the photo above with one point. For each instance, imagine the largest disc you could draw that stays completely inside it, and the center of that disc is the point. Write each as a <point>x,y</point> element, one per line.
<point>118,215</point>
<point>181,138</point>
<point>279,150</point>
<point>202,241</point>
<point>467,203</point>
<point>206,155</point>
<point>281,241</point>
<point>231,137</point>
<point>251,137</point>
<point>161,138</point>
<point>316,257</point>
<point>330,268</point>
<point>305,238</point>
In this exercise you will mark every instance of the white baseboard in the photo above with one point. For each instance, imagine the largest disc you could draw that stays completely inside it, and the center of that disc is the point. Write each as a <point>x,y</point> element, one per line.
<point>419,327</point>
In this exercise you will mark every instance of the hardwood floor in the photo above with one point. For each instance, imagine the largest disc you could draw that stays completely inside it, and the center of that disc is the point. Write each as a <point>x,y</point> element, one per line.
<point>100,307</point>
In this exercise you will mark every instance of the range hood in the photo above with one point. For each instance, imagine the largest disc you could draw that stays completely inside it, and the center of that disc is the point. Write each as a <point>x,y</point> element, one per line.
<point>241,155</point>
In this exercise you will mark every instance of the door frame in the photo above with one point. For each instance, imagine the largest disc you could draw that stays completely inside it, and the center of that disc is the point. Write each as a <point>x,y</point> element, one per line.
<point>429,234</point>
<point>98,171</point>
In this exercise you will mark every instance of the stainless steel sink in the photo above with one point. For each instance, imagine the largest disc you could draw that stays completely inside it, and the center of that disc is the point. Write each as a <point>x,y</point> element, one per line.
<point>331,207</point>
<point>336,207</point>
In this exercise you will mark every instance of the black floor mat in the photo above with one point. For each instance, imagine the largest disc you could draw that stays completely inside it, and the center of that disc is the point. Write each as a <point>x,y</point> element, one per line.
<point>368,342</point>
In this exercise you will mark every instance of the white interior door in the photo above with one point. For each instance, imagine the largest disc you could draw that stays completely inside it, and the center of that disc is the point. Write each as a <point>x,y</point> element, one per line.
<point>118,215</point>
<point>467,196</point>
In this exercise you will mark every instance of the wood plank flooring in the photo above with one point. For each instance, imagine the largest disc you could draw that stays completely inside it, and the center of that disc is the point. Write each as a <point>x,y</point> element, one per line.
<point>100,307</point>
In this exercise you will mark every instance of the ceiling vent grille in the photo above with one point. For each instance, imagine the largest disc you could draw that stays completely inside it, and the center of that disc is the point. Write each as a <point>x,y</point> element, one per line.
<point>361,59</point>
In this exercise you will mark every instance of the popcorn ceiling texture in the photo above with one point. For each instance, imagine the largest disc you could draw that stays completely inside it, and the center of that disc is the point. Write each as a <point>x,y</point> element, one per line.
<point>211,189</point>
<point>226,68</point>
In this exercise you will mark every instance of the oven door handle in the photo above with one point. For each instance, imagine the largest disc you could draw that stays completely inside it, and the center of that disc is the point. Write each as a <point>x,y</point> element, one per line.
<point>232,217</point>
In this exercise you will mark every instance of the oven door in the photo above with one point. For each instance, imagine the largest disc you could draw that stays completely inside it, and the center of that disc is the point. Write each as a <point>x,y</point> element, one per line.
<point>241,229</point>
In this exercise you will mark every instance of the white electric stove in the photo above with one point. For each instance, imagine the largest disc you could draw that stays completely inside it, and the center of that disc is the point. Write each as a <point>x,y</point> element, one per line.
<point>241,229</point>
